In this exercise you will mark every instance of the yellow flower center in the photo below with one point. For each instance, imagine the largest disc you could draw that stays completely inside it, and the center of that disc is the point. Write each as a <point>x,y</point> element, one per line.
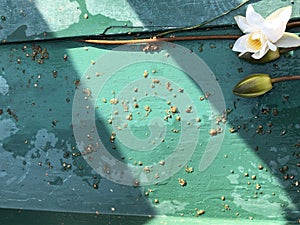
<point>254,41</point>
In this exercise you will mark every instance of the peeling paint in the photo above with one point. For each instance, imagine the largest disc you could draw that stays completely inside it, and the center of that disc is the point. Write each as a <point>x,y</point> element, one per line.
<point>58,14</point>
<point>171,206</point>
<point>3,86</point>
<point>43,138</point>
<point>233,178</point>
<point>121,11</point>
<point>36,17</point>
<point>258,206</point>
<point>7,128</point>
<point>283,160</point>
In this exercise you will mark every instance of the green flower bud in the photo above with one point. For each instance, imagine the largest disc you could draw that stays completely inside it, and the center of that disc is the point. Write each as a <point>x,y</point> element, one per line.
<point>253,85</point>
<point>270,56</point>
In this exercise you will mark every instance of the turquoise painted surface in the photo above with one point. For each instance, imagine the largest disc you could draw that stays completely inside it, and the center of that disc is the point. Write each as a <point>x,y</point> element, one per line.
<point>39,139</point>
<point>42,168</point>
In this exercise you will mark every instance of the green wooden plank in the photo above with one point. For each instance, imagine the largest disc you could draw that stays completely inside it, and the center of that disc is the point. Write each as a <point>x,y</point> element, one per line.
<point>37,142</point>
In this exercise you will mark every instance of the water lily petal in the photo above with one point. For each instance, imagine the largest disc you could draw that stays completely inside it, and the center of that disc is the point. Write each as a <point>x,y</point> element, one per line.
<point>283,13</point>
<point>242,23</point>
<point>241,44</point>
<point>256,35</point>
<point>261,52</point>
<point>272,46</point>
<point>275,24</point>
<point>253,18</point>
<point>288,40</point>
<point>273,30</point>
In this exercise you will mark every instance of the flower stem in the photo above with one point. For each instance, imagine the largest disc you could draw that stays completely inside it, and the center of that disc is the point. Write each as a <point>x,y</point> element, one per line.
<point>293,24</point>
<point>204,23</point>
<point>159,37</point>
<point>153,40</point>
<point>285,78</point>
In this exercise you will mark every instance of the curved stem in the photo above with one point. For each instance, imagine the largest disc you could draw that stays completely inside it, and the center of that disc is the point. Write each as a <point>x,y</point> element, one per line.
<point>293,24</point>
<point>204,23</point>
<point>157,38</point>
<point>285,78</point>
<point>167,39</point>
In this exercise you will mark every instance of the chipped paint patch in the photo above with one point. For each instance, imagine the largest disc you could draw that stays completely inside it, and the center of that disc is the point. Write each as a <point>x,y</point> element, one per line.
<point>273,149</point>
<point>58,14</point>
<point>171,207</point>
<point>7,128</point>
<point>258,206</point>
<point>43,138</point>
<point>36,17</point>
<point>233,178</point>
<point>241,169</point>
<point>283,160</point>
<point>122,11</point>
<point>3,86</point>
<point>3,174</point>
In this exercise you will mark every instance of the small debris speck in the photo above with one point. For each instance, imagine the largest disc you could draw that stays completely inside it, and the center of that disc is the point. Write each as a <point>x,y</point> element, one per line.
<point>189,169</point>
<point>257,186</point>
<point>200,212</point>
<point>227,207</point>
<point>162,162</point>
<point>145,73</point>
<point>182,182</point>
<point>54,73</point>
<point>147,108</point>
<point>213,132</point>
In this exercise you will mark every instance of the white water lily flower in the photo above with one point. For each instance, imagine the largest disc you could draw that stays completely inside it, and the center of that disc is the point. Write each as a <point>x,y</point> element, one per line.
<point>262,35</point>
